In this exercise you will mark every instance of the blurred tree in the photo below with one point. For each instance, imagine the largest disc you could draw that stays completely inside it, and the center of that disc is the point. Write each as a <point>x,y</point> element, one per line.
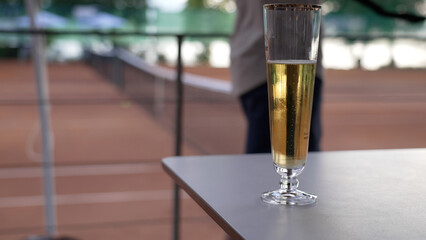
<point>223,5</point>
<point>208,16</point>
<point>113,6</point>
<point>131,10</point>
<point>382,16</point>
<point>191,4</point>
<point>404,9</point>
<point>400,6</point>
<point>399,13</point>
<point>11,8</point>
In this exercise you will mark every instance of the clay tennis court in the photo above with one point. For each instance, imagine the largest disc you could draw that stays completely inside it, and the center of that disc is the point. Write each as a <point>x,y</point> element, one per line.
<point>108,145</point>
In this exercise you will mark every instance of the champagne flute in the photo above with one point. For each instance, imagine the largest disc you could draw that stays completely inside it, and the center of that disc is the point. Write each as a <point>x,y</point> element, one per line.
<point>291,45</point>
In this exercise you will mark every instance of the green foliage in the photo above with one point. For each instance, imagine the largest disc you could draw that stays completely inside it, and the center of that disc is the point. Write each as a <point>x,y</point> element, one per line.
<point>11,8</point>
<point>194,4</point>
<point>344,13</point>
<point>354,7</point>
<point>200,4</point>
<point>208,20</point>
<point>119,7</point>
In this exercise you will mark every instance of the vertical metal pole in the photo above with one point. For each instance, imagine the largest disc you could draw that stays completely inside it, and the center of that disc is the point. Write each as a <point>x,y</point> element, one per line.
<point>39,61</point>
<point>178,135</point>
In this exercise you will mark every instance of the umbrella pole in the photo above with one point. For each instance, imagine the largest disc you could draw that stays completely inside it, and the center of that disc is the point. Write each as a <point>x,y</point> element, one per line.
<point>39,61</point>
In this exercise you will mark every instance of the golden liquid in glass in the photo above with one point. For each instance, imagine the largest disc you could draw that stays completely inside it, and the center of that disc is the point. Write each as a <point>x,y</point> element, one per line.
<point>290,89</point>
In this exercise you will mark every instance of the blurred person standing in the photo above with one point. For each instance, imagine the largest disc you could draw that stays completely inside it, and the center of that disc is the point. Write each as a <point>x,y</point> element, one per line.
<point>248,73</point>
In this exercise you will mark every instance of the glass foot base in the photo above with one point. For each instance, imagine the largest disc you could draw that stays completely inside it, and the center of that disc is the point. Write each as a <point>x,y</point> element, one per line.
<point>282,197</point>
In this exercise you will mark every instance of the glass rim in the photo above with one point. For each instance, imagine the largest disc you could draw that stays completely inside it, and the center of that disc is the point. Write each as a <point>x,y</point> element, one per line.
<point>278,6</point>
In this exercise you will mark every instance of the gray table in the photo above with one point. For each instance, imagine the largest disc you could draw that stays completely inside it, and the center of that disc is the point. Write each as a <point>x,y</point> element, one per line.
<point>374,194</point>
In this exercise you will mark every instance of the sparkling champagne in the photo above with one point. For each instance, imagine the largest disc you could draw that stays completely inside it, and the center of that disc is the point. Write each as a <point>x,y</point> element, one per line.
<point>291,88</point>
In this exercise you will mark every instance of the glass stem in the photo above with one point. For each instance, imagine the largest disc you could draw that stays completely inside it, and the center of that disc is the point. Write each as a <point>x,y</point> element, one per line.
<point>289,183</point>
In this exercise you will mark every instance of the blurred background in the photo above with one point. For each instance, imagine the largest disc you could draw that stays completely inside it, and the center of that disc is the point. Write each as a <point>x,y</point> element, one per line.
<point>111,98</point>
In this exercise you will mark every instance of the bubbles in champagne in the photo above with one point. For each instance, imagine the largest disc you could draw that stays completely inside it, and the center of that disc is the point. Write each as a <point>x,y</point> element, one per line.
<point>290,88</point>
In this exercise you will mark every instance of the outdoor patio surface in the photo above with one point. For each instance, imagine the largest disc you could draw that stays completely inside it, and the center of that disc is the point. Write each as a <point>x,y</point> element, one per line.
<point>108,146</point>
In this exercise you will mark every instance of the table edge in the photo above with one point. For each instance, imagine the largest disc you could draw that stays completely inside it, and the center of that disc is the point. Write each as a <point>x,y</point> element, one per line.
<point>204,205</point>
